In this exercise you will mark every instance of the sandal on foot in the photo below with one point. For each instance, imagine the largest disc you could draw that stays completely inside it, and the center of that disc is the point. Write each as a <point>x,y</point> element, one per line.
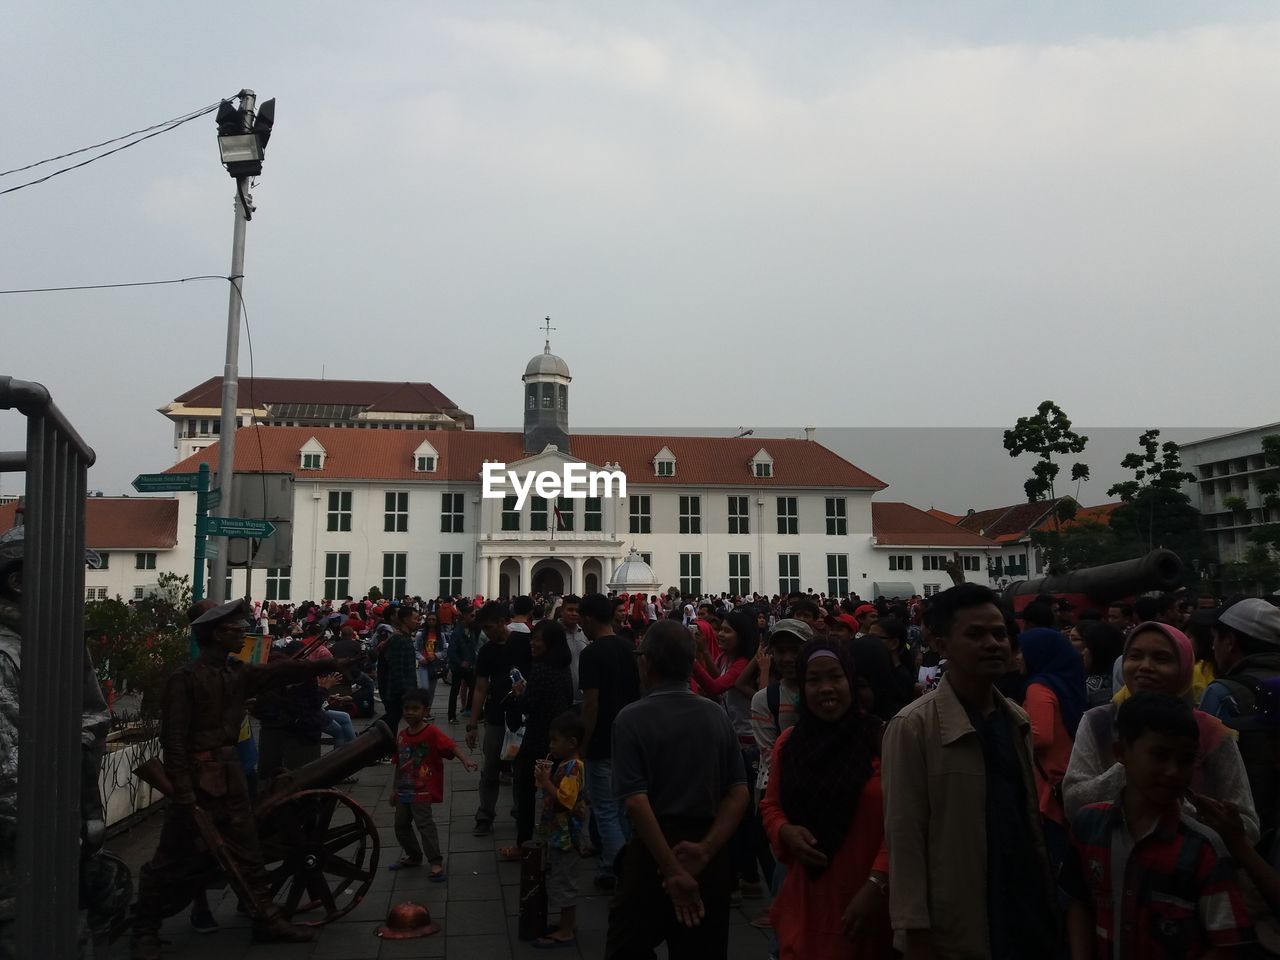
<point>437,876</point>
<point>405,863</point>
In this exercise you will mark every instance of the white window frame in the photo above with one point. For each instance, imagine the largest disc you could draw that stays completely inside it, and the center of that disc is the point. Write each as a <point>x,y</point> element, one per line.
<point>424,464</point>
<point>338,583</point>
<point>664,468</point>
<point>338,515</point>
<point>313,461</point>
<point>788,573</point>
<point>509,520</point>
<point>739,574</point>
<point>838,579</point>
<point>450,574</point>
<point>690,513</point>
<point>640,513</point>
<point>395,511</point>
<point>395,574</point>
<point>739,523</point>
<point>691,574</point>
<point>453,507</point>
<point>837,516</point>
<point>279,583</point>
<point>788,516</point>
<point>144,560</point>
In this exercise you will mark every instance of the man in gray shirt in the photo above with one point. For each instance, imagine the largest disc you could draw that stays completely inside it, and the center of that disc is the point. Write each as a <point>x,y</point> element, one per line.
<point>678,772</point>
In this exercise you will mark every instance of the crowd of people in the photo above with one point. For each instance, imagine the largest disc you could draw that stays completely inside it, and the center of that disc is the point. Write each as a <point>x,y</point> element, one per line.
<point>928,777</point>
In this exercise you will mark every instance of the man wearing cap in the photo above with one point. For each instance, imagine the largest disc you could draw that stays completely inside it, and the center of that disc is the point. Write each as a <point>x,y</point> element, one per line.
<point>1246,647</point>
<point>842,627</point>
<point>200,715</point>
<point>865,614</point>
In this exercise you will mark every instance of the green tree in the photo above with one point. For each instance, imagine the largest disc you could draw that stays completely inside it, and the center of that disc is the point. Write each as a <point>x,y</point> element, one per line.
<point>1079,545</point>
<point>1258,569</point>
<point>1268,484</point>
<point>1155,465</point>
<point>1047,435</point>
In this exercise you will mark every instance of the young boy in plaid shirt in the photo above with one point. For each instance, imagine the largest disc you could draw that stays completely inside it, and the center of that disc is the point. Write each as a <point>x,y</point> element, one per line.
<point>1147,882</point>
<point>562,800</point>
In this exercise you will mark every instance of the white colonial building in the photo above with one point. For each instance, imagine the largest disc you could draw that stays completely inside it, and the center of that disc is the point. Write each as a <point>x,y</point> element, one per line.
<point>405,511</point>
<point>1227,469</point>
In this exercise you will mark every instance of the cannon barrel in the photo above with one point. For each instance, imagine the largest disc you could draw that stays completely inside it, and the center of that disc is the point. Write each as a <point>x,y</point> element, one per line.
<point>1158,570</point>
<point>335,766</point>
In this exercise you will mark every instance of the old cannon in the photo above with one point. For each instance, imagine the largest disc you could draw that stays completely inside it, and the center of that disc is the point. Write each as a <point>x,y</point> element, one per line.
<point>319,846</point>
<point>1093,588</point>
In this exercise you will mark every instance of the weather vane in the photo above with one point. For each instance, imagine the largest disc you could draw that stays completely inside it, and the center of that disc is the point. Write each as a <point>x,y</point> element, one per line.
<point>548,328</point>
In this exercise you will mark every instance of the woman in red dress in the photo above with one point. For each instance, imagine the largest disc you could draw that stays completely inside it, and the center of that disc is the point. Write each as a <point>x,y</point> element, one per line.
<point>824,813</point>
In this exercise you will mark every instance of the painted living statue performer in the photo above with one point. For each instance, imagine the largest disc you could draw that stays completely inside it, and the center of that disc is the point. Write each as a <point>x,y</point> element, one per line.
<point>100,871</point>
<point>200,718</point>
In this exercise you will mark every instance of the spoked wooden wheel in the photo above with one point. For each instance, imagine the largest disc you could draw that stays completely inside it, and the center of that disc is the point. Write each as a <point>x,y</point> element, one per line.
<point>321,852</point>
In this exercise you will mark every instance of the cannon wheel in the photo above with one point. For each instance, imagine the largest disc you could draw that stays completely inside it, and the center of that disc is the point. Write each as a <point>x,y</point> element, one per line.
<point>321,852</point>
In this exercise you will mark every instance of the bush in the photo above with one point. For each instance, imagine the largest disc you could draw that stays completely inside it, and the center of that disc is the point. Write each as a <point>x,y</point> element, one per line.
<point>136,647</point>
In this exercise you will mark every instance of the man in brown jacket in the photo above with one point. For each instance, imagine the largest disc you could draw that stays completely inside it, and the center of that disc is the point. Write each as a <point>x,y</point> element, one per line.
<point>968,873</point>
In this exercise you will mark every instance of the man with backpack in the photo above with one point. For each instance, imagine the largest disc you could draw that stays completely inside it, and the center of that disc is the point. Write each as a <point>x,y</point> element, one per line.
<point>1246,652</point>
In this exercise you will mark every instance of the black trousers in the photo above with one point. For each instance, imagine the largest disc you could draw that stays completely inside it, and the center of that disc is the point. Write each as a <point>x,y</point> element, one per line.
<point>526,792</point>
<point>460,678</point>
<point>641,915</point>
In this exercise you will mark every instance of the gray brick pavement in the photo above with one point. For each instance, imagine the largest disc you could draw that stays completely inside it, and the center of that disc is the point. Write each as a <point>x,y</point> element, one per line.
<point>476,907</point>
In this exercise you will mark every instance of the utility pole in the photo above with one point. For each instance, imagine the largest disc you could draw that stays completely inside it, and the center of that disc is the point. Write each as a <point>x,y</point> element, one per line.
<point>230,371</point>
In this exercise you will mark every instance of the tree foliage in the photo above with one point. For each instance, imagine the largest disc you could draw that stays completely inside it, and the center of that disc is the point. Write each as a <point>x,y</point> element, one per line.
<point>136,646</point>
<point>1046,435</point>
<point>1155,465</point>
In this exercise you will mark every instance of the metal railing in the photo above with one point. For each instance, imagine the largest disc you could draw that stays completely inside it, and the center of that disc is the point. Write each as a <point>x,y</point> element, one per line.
<point>56,461</point>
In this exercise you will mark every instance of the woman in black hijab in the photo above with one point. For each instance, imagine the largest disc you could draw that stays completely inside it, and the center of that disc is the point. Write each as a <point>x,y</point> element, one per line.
<point>824,810</point>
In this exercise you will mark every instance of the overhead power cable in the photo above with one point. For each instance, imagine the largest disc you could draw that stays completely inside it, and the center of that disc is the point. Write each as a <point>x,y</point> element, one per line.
<point>110,286</point>
<point>156,130</point>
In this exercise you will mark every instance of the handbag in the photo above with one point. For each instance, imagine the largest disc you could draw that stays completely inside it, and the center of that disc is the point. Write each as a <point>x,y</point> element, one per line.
<point>512,741</point>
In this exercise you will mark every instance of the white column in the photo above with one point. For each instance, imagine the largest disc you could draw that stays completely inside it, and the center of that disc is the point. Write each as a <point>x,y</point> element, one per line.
<point>526,575</point>
<point>576,586</point>
<point>488,577</point>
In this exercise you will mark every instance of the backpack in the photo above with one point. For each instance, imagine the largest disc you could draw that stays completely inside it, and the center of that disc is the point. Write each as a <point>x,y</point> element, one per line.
<point>1255,691</point>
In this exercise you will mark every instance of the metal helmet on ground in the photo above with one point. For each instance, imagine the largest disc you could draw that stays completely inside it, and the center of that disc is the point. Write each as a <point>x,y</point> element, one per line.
<point>408,920</point>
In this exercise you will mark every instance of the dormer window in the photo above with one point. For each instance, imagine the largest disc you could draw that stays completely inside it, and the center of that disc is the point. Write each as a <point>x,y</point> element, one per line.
<point>664,463</point>
<point>311,455</point>
<point>762,465</point>
<point>425,458</point>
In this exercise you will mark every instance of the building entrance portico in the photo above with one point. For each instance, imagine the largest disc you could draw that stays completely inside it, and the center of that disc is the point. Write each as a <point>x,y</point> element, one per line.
<point>551,576</point>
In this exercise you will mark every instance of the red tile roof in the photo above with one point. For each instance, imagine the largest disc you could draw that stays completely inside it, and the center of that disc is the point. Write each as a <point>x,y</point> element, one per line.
<point>375,396</point>
<point>902,525</point>
<point>943,515</point>
<point>353,454</point>
<point>1099,514</point>
<point>113,523</point>
<point>1007,524</point>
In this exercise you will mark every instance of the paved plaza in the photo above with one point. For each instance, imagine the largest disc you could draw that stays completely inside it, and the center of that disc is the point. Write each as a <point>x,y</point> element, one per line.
<point>477,907</point>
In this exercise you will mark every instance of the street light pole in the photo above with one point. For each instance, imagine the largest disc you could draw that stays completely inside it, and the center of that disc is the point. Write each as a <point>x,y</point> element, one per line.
<point>230,371</point>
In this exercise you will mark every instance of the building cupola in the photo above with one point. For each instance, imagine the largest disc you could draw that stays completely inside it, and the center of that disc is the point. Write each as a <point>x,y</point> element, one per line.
<point>546,400</point>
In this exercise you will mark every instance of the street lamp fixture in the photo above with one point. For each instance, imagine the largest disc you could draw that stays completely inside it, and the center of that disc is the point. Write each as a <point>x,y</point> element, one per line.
<point>243,135</point>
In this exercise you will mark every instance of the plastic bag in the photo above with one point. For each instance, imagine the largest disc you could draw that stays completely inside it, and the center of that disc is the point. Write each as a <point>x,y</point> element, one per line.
<point>512,740</point>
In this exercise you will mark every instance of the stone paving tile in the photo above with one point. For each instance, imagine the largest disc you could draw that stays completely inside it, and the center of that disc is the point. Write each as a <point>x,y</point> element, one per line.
<point>477,907</point>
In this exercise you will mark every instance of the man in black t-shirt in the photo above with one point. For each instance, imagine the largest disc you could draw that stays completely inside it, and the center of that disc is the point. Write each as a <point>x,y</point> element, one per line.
<point>493,683</point>
<point>609,680</point>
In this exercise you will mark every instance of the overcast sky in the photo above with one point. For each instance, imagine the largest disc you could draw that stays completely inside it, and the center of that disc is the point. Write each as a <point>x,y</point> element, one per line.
<point>753,214</point>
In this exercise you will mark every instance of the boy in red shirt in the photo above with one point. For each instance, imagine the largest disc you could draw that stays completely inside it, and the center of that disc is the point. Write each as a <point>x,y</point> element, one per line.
<point>421,749</point>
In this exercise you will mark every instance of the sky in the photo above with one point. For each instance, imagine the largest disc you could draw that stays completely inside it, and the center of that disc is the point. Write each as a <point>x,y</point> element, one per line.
<point>866,215</point>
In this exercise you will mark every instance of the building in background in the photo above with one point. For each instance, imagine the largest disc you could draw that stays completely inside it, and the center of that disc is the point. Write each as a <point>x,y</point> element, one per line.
<point>918,545</point>
<point>138,539</point>
<point>403,511</point>
<point>1227,469</point>
<point>283,402</point>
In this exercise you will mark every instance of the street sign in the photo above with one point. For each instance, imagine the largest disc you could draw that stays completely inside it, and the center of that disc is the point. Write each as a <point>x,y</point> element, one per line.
<point>213,498</point>
<point>166,482</point>
<point>239,527</point>
<point>211,549</point>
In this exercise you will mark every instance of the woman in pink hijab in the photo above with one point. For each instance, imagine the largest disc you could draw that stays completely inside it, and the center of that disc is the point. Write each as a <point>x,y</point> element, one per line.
<point>1161,659</point>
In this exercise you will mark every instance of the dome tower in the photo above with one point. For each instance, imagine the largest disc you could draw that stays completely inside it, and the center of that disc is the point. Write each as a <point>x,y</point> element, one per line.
<point>546,400</point>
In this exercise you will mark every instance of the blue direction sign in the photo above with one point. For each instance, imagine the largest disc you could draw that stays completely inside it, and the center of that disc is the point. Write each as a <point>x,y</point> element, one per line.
<point>239,527</point>
<point>166,482</point>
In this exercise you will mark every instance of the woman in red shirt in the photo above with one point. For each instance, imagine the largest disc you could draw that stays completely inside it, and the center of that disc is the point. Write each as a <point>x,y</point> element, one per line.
<point>1055,701</point>
<point>824,813</point>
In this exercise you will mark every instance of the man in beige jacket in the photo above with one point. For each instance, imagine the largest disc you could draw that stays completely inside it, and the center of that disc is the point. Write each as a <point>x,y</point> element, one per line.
<point>968,873</point>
